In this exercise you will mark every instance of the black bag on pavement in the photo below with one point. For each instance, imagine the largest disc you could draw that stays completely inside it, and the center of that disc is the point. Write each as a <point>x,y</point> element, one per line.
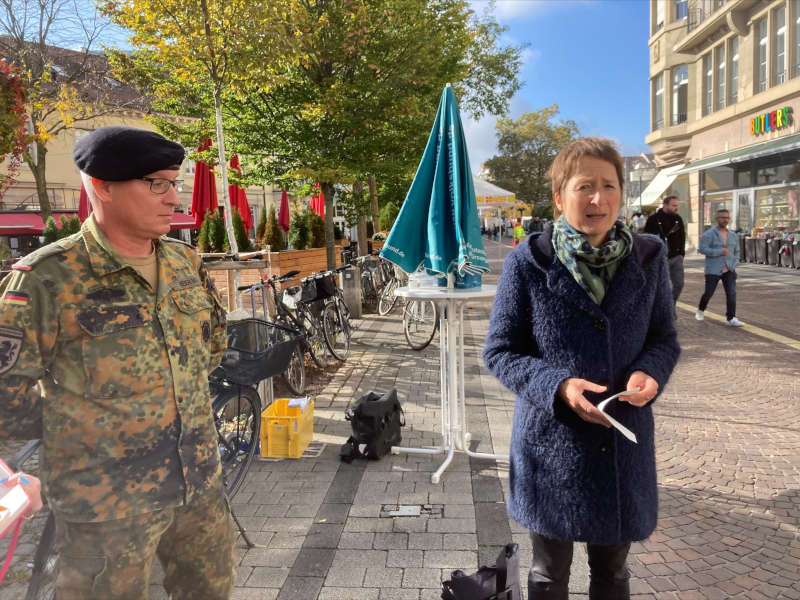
<point>499,582</point>
<point>376,421</point>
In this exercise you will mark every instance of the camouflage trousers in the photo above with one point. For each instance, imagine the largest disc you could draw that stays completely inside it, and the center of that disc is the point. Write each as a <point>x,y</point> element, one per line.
<point>112,560</point>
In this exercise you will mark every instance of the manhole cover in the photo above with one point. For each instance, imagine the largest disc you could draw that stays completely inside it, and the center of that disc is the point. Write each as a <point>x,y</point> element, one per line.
<point>412,510</point>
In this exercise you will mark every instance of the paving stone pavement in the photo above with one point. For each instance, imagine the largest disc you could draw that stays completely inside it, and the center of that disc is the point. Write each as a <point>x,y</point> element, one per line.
<point>728,452</point>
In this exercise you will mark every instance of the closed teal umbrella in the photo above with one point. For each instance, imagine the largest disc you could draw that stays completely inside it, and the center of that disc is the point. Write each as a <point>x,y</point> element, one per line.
<point>438,229</point>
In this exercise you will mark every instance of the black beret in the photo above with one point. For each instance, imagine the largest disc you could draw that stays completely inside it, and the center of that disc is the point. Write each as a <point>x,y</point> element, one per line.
<point>123,153</point>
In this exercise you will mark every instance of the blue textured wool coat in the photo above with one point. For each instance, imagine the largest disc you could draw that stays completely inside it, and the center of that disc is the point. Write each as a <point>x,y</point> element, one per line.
<point>569,479</point>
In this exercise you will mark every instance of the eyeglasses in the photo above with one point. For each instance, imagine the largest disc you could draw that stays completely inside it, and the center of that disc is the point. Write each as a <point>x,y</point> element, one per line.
<point>161,186</point>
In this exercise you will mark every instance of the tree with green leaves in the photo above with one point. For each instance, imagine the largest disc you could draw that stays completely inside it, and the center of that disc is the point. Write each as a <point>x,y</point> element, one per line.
<point>242,241</point>
<point>527,148</point>
<point>261,228</point>
<point>210,48</point>
<point>50,233</point>
<point>298,232</point>
<point>316,230</point>
<point>64,88</point>
<point>204,237</point>
<point>273,233</point>
<point>389,213</point>
<point>363,95</point>
<point>216,232</point>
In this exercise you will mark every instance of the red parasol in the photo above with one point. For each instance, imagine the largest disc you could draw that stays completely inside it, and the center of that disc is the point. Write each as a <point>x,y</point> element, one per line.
<point>239,197</point>
<point>318,203</point>
<point>283,215</point>
<point>84,207</point>
<point>204,192</point>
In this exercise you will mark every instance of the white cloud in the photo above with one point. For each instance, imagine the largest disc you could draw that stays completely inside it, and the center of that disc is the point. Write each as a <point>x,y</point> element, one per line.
<point>507,10</point>
<point>482,137</point>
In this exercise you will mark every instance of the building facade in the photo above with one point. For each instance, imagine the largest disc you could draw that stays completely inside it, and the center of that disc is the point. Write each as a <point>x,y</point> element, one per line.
<point>724,95</point>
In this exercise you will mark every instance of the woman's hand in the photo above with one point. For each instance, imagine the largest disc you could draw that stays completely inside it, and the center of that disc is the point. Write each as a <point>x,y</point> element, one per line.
<point>571,392</point>
<point>31,486</point>
<point>648,388</point>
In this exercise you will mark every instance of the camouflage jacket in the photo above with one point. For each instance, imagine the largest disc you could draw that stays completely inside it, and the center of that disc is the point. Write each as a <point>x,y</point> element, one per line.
<point>113,378</point>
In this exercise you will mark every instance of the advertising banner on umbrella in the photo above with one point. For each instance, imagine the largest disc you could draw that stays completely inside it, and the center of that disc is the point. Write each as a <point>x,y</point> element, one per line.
<point>204,190</point>
<point>437,229</point>
<point>283,215</point>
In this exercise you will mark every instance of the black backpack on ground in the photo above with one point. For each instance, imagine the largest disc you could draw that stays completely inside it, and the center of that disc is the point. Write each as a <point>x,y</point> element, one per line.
<point>376,421</point>
<point>498,582</point>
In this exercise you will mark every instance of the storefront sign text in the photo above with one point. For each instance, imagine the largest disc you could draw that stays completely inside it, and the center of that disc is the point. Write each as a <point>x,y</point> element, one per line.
<point>777,119</point>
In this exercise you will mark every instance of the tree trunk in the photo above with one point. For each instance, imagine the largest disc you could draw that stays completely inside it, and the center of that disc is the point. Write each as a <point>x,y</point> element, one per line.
<point>38,169</point>
<point>373,202</point>
<point>361,227</point>
<point>223,169</point>
<point>330,242</point>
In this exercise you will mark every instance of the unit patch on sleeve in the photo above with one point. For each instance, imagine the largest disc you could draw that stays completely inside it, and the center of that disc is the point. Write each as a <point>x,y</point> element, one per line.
<point>15,297</point>
<point>10,345</point>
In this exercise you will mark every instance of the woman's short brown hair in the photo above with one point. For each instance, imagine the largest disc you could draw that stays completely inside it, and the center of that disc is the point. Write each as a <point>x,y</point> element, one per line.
<point>566,162</point>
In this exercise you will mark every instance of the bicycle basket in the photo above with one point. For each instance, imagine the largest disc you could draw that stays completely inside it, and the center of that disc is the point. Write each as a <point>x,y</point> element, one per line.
<point>256,350</point>
<point>318,287</point>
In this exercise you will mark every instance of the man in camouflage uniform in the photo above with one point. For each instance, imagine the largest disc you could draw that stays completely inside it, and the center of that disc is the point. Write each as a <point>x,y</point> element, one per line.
<point>119,327</point>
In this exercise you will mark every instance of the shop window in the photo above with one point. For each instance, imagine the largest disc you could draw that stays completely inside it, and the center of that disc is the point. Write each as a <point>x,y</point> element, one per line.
<point>743,176</point>
<point>680,93</point>
<point>719,62</point>
<point>733,85</point>
<point>708,84</point>
<point>718,178</point>
<point>711,204</point>
<point>776,209</point>
<point>761,55</point>
<point>779,46</point>
<point>658,101</point>
<point>778,169</point>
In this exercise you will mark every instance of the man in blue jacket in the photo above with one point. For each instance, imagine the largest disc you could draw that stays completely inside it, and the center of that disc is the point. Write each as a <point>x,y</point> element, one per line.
<point>721,249</point>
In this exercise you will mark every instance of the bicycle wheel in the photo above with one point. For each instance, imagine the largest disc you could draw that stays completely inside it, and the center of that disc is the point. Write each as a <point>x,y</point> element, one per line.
<point>237,416</point>
<point>387,299</point>
<point>419,323</point>
<point>42,585</point>
<point>295,373</point>
<point>337,330</point>
<point>317,347</point>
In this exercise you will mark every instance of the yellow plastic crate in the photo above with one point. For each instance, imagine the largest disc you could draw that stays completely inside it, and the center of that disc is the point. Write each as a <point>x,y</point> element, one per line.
<point>285,431</point>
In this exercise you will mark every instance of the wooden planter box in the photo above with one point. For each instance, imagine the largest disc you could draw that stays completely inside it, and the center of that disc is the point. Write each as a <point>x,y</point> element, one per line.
<point>306,261</point>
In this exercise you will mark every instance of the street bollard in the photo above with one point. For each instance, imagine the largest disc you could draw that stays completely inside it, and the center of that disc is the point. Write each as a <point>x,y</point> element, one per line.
<point>350,283</point>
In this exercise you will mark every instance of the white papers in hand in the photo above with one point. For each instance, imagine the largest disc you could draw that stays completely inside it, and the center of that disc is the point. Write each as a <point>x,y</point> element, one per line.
<point>616,424</point>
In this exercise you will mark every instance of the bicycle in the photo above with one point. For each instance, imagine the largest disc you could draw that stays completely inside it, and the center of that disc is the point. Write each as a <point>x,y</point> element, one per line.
<point>336,321</point>
<point>298,314</point>
<point>388,300</point>
<point>420,322</point>
<point>295,373</point>
<point>371,280</point>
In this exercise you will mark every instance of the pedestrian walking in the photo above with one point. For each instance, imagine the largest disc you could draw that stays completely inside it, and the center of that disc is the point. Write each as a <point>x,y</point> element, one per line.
<point>582,312</point>
<point>108,337</point>
<point>519,233</point>
<point>721,249</point>
<point>667,224</point>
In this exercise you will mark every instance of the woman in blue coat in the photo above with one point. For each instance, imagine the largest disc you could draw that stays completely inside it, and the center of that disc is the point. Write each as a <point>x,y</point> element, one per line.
<point>583,311</point>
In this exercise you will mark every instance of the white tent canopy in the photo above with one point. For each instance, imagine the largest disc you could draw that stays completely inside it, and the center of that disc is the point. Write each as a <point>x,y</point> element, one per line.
<point>652,193</point>
<point>488,195</point>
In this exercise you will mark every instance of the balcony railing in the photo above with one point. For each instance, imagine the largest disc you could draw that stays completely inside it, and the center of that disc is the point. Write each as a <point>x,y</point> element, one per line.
<point>679,118</point>
<point>658,124</point>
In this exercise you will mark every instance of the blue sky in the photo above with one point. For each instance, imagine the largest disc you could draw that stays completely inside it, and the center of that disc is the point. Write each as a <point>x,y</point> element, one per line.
<point>588,56</point>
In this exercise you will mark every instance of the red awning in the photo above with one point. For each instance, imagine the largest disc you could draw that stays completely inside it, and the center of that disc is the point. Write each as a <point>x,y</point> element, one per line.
<point>26,223</point>
<point>30,223</point>
<point>182,221</point>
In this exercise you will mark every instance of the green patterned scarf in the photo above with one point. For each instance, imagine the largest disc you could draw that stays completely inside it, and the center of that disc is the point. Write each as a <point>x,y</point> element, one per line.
<point>593,268</point>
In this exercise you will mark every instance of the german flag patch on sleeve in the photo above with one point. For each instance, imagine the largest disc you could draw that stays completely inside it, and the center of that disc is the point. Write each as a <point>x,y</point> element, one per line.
<point>15,297</point>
